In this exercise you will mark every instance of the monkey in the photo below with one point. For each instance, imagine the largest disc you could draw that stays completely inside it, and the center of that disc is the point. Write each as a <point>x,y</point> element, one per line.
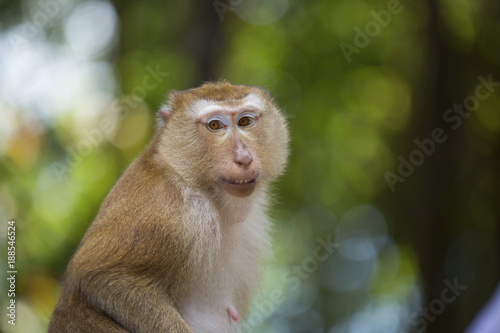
<point>178,243</point>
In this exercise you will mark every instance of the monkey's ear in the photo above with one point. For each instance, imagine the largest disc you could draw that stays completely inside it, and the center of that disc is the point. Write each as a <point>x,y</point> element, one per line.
<point>165,113</point>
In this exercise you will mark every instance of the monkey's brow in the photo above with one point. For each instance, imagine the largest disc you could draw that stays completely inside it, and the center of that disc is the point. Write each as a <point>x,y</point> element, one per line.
<point>225,109</point>
<point>251,102</point>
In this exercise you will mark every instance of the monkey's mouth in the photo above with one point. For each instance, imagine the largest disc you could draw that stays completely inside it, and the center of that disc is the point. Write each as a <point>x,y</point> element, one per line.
<point>240,181</point>
<point>240,187</point>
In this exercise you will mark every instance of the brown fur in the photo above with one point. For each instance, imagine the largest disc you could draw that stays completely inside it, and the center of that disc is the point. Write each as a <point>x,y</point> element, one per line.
<point>165,228</point>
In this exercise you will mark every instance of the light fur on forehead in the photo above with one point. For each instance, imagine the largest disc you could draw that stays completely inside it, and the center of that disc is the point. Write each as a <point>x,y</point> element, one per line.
<point>212,96</point>
<point>204,106</point>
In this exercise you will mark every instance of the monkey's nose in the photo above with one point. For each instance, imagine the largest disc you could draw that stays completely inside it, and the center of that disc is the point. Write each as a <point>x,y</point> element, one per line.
<point>243,158</point>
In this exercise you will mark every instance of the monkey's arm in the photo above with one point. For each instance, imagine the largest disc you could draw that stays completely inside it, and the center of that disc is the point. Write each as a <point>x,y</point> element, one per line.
<point>133,301</point>
<point>130,276</point>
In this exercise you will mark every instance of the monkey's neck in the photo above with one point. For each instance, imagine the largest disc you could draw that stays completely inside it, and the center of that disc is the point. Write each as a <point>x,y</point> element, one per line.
<point>233,210</point>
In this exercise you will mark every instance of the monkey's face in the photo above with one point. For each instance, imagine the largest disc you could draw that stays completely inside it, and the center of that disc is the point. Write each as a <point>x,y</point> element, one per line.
<point>230,134</point>
<point>224,137</point>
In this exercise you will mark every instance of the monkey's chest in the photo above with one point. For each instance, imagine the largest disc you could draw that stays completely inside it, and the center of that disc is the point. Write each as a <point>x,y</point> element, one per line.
<point>217,301</point>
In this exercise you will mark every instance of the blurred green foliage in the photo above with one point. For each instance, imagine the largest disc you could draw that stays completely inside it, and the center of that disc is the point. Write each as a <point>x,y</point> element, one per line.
<point>80,83</point>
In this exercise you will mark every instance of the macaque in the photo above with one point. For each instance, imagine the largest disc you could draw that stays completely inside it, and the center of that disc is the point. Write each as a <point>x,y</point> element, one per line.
<point>177,245</point>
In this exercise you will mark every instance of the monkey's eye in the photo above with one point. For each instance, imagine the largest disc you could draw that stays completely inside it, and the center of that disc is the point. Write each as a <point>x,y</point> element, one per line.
<point>214,125</point>
<point>245,121</point>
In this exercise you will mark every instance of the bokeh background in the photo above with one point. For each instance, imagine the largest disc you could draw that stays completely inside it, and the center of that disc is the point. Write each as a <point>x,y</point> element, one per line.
<point>371,226</point>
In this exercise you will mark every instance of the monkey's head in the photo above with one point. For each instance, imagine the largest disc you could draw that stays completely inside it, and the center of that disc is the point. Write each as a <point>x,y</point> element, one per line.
<point>224,137</point>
